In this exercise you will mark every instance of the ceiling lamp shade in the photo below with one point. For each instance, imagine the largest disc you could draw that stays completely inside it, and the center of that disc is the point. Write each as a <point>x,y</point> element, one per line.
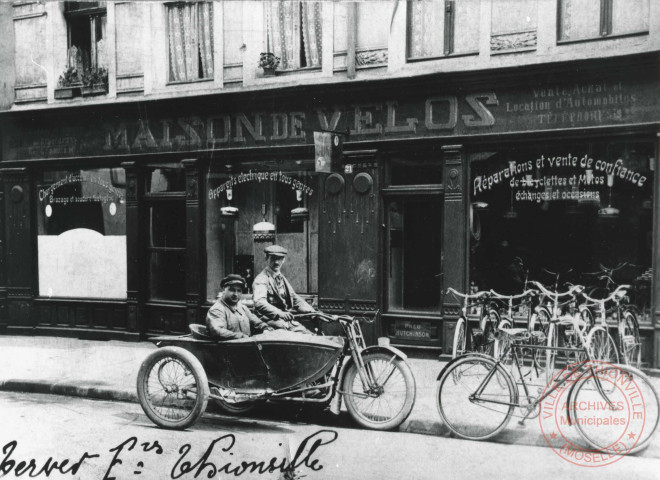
<point>263,231</point>
<point>300,214</point>
<point>229,211</point>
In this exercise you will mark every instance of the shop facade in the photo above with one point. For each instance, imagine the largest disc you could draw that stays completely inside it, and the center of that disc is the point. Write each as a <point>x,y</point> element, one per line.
<point>121,221</point>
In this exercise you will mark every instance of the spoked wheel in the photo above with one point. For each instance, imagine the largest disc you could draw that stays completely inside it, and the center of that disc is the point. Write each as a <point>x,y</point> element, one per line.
<point>172,388</point>
<point>552,340</point>
<point>389,402</point>
<point>627,389</point>
<point>460,339</point>
<point>476,418</point>
<point>629,340</point>
<point>602,346</point>
<point>489,324</point>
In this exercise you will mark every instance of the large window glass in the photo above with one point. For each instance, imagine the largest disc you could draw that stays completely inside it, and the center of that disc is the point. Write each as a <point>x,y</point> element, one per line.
<point>578,209</point>
<point>190,29</point>
<point>81,233</point>
<point>87,36</point>
<point>437,28</point>
<point>166,232</point>
<point>587,19</point>
<point>414,237</point>
<point>243,201</point>
<point>295,33</point>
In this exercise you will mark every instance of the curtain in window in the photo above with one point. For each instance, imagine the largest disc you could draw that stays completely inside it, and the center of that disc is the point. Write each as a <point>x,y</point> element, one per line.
<point>426,29</point>
<point>291,25</point>
<point>580,19</point>
<point>311,23</point>
<point>191,40</point>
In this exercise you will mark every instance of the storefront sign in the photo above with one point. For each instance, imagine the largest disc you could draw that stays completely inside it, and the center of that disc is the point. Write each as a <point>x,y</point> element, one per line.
<point>250,176</point>
<point>563,104</point>
<point>566,177</point>
<point>413,330</point>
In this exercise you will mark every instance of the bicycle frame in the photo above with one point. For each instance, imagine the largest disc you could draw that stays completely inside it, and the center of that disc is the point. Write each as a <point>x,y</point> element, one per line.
<point>532,405</point>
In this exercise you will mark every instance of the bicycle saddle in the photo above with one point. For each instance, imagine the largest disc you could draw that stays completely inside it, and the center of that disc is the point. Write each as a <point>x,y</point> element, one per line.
<point>516,333</point>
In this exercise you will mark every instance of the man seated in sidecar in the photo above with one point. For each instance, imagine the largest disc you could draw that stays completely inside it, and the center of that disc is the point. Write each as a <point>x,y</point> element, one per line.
<point>228,318</point>
<point>274,297</point>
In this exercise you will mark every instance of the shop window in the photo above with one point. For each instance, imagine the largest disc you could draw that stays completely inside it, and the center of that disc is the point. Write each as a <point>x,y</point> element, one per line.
<point>87,22</point>
<point>569,208</point>
<point>294,33</point>
<point>244,196</point>
<point>166,232</point>
<point>414,257</point>
<point>513,25</point>
<point>190,30</point>
<point>441,28</point>
<point>81,234</point>
<point>589,19</point>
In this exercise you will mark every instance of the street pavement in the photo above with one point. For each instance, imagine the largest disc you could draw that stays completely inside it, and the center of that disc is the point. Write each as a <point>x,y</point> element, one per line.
<point>107,370</point>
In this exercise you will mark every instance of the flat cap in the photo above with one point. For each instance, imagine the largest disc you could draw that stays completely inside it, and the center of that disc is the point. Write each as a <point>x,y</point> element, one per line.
<point>276,250</point>
<point>233,279</point>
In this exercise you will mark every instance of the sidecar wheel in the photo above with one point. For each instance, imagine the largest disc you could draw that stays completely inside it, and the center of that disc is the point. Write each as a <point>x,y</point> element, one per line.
<point>172,388</point>
<point>391,405</point>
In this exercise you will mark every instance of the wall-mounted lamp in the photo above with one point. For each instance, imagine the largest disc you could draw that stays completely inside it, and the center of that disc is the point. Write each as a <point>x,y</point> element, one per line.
<point>229,210</point>
<point>609,211</point>
<point>300,213</point>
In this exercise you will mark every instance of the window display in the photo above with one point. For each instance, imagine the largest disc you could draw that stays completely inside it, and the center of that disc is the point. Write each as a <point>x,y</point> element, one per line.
<point>81,224</point>
<point>581,210</point>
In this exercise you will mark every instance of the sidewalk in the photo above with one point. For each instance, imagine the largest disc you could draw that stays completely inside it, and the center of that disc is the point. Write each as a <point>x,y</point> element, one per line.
<point>107,370</point>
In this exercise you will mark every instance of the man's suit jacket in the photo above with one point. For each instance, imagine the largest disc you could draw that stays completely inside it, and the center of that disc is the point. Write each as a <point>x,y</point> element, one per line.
<point>267,299</point>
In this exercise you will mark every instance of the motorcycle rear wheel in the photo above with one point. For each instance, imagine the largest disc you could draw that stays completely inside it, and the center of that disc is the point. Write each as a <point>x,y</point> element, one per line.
<point>387,408</point>
<point>172,388</point>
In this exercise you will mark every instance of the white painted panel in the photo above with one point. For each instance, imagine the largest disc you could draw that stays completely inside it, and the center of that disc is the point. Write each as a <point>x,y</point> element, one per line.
<point>82,263</point>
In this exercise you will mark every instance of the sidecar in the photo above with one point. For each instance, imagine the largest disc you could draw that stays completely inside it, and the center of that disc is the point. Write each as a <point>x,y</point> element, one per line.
<point>175,382</point>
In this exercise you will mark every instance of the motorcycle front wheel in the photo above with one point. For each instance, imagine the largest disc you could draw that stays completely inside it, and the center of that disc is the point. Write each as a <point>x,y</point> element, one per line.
<point>389,402</point>
<point>172,388</point>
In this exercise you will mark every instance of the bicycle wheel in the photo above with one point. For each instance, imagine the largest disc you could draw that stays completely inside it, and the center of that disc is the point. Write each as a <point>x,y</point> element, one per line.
<point>629,341</point>
<point>390,401</point>
<point>637,407</point>
<point>552,340</point>
<point>601,346</point>
<point>488,325</point>
<point>502,341</point>
<point>172,388</point>
<point>476,419</point>
<point>460,339</point>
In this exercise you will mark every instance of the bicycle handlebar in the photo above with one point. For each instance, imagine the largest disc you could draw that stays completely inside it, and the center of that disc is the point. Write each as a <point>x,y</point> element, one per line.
<point>620,291</point>
<point>556,295</point>
<point>480,294</point>
<point>526,293</point>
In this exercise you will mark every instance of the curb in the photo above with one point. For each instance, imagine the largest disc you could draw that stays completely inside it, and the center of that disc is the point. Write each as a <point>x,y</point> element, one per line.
<point>67,389</point>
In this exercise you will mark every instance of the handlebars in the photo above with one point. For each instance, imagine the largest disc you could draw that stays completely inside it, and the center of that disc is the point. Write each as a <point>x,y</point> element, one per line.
<point>328,318</point>
<point>616,295</point>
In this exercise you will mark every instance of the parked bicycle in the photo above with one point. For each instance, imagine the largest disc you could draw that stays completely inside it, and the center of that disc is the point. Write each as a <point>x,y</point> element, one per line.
<point>629,344</point>
<point>469,337</point>
<point>477,395</point>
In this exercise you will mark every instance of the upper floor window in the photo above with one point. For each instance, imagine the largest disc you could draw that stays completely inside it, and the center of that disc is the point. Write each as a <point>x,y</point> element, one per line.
<point>86,23</point>
<point>294,33</point>
<point>437,28</point>
<point>588,19</point>
<point>513,25</point>
<point>190,41</point>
